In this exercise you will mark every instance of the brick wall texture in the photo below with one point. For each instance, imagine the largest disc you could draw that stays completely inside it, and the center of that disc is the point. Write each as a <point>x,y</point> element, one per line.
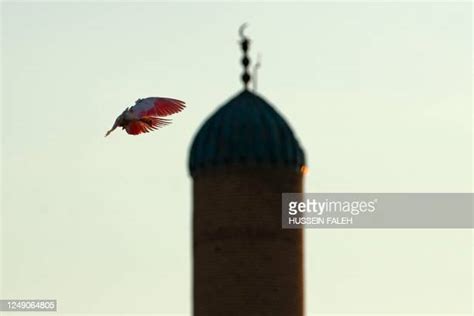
<point>244,263</point>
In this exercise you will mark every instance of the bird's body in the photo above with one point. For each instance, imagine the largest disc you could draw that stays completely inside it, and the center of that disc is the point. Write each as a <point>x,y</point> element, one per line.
<point>146,115</point>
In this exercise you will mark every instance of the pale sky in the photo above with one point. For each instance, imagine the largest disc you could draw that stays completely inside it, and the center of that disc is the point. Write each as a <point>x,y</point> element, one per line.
<point>379,96</point>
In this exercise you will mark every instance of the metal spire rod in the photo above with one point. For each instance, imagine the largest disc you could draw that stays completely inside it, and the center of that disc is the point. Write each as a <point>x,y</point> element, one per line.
<point>244,44</point>
<point>257,65</point>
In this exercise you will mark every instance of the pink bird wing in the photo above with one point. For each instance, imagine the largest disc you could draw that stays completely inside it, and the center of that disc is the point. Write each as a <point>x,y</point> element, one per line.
<point>158,107</point>
<point>145,124</point>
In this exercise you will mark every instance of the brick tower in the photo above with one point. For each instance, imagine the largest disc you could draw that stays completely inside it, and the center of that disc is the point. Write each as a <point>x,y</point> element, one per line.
<point>242,159</point>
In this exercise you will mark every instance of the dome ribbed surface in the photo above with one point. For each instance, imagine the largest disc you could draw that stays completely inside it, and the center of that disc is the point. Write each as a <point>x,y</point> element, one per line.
<point>245,131</point>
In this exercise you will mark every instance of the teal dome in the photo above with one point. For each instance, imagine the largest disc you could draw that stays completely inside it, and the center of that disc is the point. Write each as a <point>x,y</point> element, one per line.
<point>245,131</point>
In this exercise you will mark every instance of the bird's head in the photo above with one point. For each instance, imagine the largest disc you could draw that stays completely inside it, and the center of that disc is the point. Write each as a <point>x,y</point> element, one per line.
<point>119,121</point>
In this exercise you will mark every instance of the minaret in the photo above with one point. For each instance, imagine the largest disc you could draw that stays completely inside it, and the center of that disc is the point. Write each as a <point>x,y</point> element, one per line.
<point>242,159</point>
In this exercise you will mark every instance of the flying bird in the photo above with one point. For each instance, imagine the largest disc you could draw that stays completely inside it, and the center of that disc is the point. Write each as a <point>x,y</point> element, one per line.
<point>146,115</point>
